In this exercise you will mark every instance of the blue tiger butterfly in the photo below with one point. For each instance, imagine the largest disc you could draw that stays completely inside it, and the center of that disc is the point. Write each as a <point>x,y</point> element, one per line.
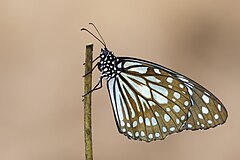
<point>150,101</point>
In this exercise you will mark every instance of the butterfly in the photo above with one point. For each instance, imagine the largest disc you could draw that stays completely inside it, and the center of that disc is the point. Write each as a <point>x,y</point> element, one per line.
<point>150,101</point>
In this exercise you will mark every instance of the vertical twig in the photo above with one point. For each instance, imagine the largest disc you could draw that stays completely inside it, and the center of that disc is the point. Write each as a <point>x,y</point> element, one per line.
<point>87,103</point>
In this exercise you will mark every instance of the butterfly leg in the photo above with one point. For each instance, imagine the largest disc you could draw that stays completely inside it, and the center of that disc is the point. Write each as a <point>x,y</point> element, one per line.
<point>93,60</point>
<point>96,87</point>
<point>91,70</point>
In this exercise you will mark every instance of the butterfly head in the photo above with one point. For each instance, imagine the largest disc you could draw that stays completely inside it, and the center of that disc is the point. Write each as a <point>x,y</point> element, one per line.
<point>104,52</point>
<point>108,62</point>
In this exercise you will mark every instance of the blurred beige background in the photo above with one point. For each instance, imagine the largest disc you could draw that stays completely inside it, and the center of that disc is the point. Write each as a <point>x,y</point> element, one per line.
<point>41,57</point>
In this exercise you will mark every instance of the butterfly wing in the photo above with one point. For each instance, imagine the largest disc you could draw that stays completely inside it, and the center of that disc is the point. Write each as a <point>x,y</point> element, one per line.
<point>151,102</point>
<point>206,110</point>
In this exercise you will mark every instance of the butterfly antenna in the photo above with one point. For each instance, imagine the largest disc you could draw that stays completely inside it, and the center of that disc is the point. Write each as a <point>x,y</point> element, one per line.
<point>84,29</point>
<point>98,33</point>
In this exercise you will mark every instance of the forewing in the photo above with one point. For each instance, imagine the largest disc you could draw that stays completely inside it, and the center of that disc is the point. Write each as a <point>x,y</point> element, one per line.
<point>206,110</point>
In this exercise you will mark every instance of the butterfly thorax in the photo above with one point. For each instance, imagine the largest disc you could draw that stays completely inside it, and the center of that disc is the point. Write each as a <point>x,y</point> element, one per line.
<point>108,64</point>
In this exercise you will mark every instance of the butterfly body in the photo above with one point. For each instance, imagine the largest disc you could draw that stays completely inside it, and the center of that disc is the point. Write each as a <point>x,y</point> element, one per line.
<point>150,101</point>
<point>108,64</point>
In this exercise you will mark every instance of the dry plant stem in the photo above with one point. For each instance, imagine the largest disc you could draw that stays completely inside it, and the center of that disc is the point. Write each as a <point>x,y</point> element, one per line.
<point>87,103</point>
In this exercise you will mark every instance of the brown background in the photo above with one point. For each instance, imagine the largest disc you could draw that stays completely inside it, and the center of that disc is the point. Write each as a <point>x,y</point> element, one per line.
<point>41,57</point>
